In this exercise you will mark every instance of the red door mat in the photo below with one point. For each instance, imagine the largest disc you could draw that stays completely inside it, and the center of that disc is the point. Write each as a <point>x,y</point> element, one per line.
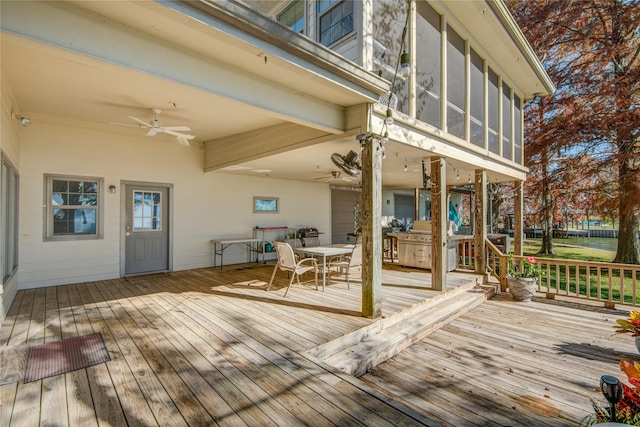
<point>54,358</point>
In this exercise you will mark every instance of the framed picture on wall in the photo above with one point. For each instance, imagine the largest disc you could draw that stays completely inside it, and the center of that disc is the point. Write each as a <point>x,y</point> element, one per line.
<point>266,204</point>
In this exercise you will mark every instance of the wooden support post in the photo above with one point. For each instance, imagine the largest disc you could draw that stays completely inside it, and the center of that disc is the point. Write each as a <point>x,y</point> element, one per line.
<point>439,216</point>
<point>480,225</point>
<point>518,237</point>
<point>371,200</point>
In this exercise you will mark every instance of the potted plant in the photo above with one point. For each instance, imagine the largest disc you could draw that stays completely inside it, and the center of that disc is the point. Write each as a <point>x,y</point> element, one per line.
<point>630,325</point>
<point>522,278</point>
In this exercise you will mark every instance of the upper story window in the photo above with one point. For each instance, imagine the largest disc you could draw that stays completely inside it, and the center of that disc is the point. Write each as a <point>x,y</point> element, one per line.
<point>456,84</point>
<point>517,130</point>
<point>293,16</point>
<point>335,20</point>
<point>493,113</point>
<point>73,208</point>
<point>428,64</point>
<point>507,152</point>
<point>477,99</point>
<point>387,40</point>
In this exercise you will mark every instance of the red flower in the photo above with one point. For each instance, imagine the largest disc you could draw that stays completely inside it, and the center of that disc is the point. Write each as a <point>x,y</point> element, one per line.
<point>531,259</point>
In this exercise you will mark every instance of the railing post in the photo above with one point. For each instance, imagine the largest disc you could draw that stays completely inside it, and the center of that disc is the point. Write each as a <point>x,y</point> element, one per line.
<point>503,272</point>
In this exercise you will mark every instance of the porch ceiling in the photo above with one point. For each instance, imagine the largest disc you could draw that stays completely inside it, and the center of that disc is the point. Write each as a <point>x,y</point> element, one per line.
<point>48,80</point>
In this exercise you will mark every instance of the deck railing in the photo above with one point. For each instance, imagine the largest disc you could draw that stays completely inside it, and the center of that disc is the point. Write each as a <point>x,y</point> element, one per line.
<point>610,283</point>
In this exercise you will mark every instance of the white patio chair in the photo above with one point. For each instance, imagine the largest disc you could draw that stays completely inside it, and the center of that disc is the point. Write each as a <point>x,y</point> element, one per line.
<point>288,262</point>
<point>346,263</point>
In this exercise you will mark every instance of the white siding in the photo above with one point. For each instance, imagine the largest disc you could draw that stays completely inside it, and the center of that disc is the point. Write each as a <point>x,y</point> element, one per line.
<point>206,205</point>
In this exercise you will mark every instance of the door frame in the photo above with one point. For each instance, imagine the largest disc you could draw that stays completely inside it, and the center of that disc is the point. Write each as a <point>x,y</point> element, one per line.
<point>123,221</point>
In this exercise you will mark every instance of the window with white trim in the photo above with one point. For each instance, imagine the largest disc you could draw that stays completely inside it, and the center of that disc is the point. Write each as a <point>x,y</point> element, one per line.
<point>293,16</point>
<point>73,208</point>
<point>335,20</point>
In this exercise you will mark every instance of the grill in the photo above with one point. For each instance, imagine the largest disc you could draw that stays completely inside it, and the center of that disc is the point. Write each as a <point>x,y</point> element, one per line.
<point>414,249</point>
<point>307,232</point>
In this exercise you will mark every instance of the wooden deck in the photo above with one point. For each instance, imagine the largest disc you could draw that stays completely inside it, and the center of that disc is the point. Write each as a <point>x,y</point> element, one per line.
<point>508,363</point>
<point>211,347</point>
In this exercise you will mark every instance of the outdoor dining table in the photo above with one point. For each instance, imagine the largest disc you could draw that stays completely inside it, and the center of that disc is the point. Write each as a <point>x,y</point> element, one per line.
<point>324,251</point>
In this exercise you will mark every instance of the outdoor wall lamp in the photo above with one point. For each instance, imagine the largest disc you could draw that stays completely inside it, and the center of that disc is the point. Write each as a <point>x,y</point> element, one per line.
<point>112,188</point>
<point>405,65</point>
<point>389,119</point>
<point>24,121</point>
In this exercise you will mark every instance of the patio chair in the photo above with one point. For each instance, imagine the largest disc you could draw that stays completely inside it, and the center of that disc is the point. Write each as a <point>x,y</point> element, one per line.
<point>310,242</point>
<point>294,243</point>
<point>287,261</point>
<point>346,263</point>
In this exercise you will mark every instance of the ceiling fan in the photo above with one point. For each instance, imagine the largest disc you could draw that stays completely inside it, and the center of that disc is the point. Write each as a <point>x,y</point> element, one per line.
<point>335,176</point>
<point>347,163</point>
<point>156,127</point>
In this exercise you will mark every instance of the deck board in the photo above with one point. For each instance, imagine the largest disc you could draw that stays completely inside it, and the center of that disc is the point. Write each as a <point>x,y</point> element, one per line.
<point>510,363</point>
<point>211,347</point>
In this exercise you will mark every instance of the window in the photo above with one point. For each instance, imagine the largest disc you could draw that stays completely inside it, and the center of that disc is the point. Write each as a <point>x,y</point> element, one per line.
<point>456,84</point>
<point>477,99</point>
<point>293,16</point>
<point>492,114</point>
<point>517,130</point>
<point>336,20</point>
<point>73,208</point>
<point>387,30</point>
<point>506,122</point>
<point>9,216</point>
<point>147,210</point>
<point>428,64</point>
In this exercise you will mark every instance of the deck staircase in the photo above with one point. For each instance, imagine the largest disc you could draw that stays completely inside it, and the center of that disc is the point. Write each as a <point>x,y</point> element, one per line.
<point>358,352</point>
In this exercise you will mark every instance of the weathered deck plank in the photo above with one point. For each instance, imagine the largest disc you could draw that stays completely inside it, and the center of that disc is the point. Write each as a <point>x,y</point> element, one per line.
<point>203,347</point>
<point>510,363</point>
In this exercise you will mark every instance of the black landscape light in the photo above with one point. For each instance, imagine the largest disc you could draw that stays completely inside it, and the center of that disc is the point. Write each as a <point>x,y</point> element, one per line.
<point>612,390</point>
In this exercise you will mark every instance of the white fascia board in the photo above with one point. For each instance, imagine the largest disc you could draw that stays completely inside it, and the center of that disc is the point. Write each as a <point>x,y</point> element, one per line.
<point>69,28</point>
<point>425,137</point>
<point>244,23</point>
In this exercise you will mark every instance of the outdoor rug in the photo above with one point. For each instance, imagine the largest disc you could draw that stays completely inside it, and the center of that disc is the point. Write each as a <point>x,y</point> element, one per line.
<point>54,358</point>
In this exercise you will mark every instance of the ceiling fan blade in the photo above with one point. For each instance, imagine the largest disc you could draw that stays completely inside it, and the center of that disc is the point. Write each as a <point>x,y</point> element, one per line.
<point>183,140</point>
<point>177,128</point>
<point>153,131</point>
<point>125,124</point>
<point>178,134</point>
<point>142,122</point>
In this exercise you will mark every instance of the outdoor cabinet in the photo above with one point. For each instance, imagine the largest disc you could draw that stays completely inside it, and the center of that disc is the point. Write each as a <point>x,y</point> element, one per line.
<point>414,255</point>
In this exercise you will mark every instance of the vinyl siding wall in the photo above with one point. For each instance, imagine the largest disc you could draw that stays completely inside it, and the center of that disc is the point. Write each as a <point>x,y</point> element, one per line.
<point>205,205</point>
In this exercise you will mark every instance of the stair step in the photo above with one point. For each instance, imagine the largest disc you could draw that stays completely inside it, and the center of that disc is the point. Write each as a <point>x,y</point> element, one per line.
<point>360,351</point>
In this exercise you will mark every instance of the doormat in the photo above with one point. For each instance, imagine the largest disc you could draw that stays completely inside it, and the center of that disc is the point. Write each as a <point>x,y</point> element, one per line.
<point>47,360</point>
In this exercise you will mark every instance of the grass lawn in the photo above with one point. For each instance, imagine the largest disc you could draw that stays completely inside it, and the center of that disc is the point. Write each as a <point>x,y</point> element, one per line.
<point>563,251</point>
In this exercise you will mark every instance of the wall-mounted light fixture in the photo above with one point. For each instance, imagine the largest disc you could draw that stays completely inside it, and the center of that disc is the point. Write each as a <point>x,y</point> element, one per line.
<point>24,121</point>
<point>405,65</point>
<point>112,188</point>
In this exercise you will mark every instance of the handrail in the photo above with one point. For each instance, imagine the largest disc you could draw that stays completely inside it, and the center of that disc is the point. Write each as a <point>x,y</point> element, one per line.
<point>610,283</point>
<point>496,263</point>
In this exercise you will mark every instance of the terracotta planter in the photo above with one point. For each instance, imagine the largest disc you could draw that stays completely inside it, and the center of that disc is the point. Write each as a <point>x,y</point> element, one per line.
<point>522,288</point>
